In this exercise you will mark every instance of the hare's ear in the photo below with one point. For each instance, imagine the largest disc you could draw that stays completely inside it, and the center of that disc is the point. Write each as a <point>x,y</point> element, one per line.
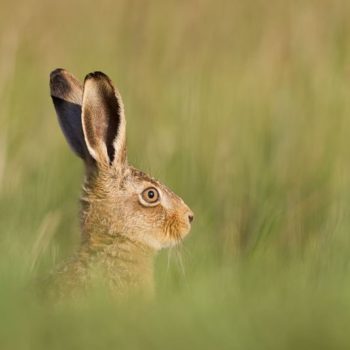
<point>67,94</point>
<point>103,120</point>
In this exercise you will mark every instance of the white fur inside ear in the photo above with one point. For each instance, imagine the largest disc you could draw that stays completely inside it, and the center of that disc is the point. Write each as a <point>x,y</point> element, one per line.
<point>103,113</point>
<point>120,140</point>
<point>97,155</point>
<point>99,151</point>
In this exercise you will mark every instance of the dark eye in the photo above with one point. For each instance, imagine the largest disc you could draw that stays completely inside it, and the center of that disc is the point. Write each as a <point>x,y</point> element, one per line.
<point>150,195</point>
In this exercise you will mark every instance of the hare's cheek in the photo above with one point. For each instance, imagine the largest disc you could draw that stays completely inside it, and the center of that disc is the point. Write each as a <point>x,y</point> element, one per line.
<point>150,218</point>
<point>157,215</point>
<point>171,227</point>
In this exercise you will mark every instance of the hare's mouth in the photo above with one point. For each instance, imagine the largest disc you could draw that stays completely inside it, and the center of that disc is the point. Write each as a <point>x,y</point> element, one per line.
<point>177,236</point>
<point>158,241</point>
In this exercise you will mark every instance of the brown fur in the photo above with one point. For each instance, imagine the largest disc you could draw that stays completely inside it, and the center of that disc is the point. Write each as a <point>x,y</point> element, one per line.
<point>120,233</point>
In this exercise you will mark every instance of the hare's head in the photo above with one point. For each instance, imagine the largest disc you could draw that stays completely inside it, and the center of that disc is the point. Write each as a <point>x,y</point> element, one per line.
<point>118,199</point>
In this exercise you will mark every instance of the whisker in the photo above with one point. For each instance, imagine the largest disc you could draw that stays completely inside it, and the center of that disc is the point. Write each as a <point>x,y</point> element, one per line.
<point>168,261</point>
<point>180,261</point>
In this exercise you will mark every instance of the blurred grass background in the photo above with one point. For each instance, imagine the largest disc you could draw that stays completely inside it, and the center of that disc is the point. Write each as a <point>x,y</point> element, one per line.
<point>243,108</point>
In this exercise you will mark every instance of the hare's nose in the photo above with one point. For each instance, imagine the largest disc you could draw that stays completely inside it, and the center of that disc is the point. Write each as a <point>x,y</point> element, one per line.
<point>190,217</point>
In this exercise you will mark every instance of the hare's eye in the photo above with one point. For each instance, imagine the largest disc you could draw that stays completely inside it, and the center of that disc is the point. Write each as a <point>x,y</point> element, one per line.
<point>150,195</point>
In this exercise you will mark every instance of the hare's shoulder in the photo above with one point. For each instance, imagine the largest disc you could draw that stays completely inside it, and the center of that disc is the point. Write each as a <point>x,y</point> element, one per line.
<point>69,276</point>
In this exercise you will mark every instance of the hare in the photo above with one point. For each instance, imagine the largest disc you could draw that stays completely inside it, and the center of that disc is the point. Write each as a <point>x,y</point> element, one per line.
<point>126,215</point>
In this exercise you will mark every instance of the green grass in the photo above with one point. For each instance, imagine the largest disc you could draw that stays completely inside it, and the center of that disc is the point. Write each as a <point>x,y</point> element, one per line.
<point>243,108</point>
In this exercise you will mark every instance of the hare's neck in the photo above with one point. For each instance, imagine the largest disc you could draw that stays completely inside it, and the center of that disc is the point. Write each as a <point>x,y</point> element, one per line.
<point>122,262</point>
<point>126,265</point>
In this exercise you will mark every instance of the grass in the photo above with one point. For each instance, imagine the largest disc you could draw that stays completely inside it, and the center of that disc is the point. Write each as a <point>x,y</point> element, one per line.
<point>243,109</point>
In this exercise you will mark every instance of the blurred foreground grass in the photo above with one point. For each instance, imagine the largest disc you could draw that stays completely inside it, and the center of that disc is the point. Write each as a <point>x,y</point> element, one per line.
<point>243,108</point>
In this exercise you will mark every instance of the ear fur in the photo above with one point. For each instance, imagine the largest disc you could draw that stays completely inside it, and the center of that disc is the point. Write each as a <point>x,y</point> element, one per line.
<point>103,120</point>
<point>67,93</point>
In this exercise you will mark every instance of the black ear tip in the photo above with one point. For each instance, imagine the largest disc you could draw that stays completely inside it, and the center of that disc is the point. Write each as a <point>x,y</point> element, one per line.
<point>97,76</point>
<point>65,86</point>
<point>57,72</point>
<point>58,81</point>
